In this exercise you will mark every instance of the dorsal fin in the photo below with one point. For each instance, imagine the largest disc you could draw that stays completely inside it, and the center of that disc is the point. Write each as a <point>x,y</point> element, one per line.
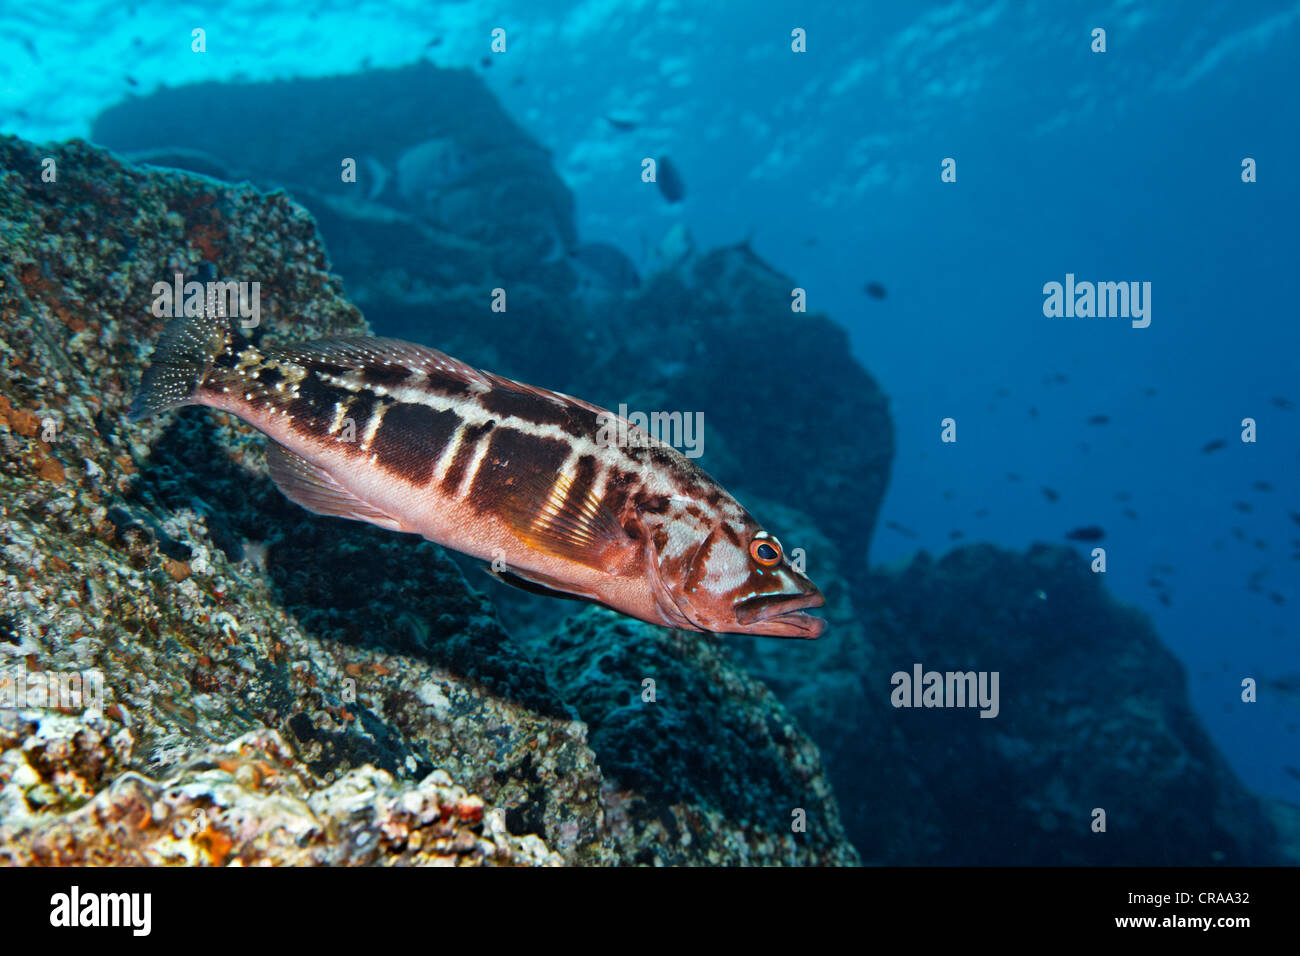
<point>545,514</point>
<point>358,351</point>
<point>313,488</point>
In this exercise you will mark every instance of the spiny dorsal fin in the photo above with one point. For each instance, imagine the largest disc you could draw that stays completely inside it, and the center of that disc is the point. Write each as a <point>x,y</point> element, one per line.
<point>358,351</point>
<point>313,488</point>
<point>546,515</point>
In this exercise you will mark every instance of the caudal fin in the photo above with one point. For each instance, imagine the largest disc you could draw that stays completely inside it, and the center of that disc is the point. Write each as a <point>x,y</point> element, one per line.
<point>181,360</point>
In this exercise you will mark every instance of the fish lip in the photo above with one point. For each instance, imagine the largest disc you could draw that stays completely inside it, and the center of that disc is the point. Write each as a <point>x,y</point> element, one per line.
<point>780,615</point>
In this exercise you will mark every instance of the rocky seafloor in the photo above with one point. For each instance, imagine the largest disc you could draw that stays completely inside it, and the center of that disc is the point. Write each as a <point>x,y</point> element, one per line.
<point>285,688</point>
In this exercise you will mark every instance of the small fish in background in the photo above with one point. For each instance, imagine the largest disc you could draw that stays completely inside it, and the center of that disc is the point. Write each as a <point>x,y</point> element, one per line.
<point>1122,496</point>
<point>1282,403</point>
<point>377,176</point>
<point>669,180</point>
<point>956,535</point>
<point>905,531</point>
<point>811,241</point>
<point>131,81</point>
<point>1154,582</point>
<point>1289,769</point>
<point>409,439</point>
<point>485,62</point>
<point>1150,392</point>
<point>1090,532</point>
<point>1099,420</point>
<point>433,42</point>
<point>1263,486</point>
<point>1295,516</point>
<point>982,513</point>
<point>875,290</point>
<point>624,124</point>
<point>1244,507</point>
<point>1012,477</point>
<point>1051,494</point>
<point>1033,412</point>
<point>1213,446</point>
<point>675,248</point>
<point>1276,598</point>
<point>1261,544</point>
<point>1130,514</point>
<point>427,169</point>
<point>1165,599</point>
<point>1056,378</point>
<point>1238,533</point>
<point>604,271</point>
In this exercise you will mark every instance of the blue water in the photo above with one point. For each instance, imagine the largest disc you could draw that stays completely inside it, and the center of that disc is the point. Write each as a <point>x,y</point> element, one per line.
<point>1115,166</point>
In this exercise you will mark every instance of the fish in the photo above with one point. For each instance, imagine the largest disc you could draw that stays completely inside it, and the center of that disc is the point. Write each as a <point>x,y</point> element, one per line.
<point>624,124</point>
<point>531,480</point>
<point>603,269</point>
<point>1282,402</point>
<point>1099,420</point>
<point>875,290</point>
<point>669,180</point>
<point>1243,506</point>
<point>429,168</point>
<point>1087,533</point>
<point>1262,486</point>
<point>1051,494</point>
<point>1211,446</point>
<point>905,531</point>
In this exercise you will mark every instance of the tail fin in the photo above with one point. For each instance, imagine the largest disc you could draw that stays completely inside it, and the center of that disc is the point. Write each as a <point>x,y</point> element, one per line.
<point>181,360</point>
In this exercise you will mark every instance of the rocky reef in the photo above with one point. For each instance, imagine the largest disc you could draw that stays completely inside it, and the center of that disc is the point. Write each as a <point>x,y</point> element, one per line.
<point>270,672</point>
<point>386,714</point>
<point>1093,714</point>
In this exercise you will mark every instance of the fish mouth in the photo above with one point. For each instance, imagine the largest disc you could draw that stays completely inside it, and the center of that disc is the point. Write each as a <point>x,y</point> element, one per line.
<point>781,615</point>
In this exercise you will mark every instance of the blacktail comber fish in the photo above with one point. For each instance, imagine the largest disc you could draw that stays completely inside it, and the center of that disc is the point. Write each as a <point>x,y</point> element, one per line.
<point>410,439</point>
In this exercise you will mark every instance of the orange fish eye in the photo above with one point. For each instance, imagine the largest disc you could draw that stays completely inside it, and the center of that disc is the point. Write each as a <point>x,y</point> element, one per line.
<point>765,551</point>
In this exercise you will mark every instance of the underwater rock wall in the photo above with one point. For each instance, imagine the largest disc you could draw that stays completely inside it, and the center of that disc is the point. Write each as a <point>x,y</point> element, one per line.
<point>262,666</point>
<point>800,421</point>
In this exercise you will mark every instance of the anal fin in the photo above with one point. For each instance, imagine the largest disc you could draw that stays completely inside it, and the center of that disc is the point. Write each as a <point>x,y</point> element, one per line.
<point>315,489</point>
<point>534,584</point>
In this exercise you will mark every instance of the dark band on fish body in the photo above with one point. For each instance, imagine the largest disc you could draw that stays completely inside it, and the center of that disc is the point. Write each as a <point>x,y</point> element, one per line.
<point>465,451</point>
<point>411,438</point>
<point>512,457</point>
<point>312,411</point>
<point>508,402</point>
<point>384,374</point>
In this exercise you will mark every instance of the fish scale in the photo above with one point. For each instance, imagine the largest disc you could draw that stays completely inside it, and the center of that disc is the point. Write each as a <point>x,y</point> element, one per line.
<point>407,438</point>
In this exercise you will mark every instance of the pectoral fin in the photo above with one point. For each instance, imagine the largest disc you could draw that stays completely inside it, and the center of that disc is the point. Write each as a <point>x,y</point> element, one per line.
<point>546,515</point>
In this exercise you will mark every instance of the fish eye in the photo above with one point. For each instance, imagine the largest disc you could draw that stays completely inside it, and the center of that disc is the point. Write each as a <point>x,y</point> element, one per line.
<point>766,551</point>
